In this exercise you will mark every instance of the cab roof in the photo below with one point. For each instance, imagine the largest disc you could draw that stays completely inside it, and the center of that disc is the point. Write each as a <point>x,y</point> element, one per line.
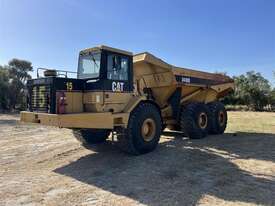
<point>103,47</point>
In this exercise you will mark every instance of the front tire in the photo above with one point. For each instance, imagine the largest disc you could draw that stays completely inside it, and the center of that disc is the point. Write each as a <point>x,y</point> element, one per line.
<point>143,132</point>
<point>91,136</point>
<point>195,120</point>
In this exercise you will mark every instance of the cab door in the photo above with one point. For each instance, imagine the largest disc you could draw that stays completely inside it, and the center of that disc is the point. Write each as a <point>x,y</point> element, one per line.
<point>119,72</point>
<point>119,81</point>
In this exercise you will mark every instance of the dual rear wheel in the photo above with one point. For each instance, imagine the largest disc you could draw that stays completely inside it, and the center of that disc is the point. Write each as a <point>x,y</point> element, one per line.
<point>198,119</point>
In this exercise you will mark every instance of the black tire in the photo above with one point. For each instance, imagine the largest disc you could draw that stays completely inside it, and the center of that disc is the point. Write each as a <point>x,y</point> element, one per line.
<point>218,118</point>
<point>191,116</point>
<point>91,136</point>
<point>133,140</point>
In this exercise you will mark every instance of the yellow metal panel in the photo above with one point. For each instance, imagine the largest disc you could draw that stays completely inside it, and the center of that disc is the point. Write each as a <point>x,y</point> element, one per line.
<point>148,58</point>
<point>222,87</point>
<point>86,120</point>
<point>69,102</point>
<point>121,119</point>
<point>117,97</point>
<point>78,120</point>
<point>48,119</point>
<point>27,117</point>
<point>133,103</point>
<point>42,118</point>
<point>78,102</point>
<point>74,102</point>
<point>93,97</point>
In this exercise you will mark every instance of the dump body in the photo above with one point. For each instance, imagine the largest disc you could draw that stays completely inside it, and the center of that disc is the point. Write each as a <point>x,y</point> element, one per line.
<point>164,79</point>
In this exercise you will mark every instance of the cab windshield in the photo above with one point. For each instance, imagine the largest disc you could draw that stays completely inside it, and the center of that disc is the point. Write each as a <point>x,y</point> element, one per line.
<point>89,65</point>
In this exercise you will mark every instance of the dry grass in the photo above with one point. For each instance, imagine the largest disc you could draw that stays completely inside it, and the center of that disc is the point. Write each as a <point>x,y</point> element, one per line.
<point>47,166</point>
<point>254,122</point>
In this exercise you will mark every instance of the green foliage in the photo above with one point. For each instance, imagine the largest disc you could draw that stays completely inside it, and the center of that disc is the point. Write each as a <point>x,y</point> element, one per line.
<point>253,90</point>
<point>4,88</point>
<point>13,78</point>
<point>272,99</point>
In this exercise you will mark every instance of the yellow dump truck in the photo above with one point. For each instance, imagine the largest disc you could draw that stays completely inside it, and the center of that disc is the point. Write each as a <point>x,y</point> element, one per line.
<point>134,97</point>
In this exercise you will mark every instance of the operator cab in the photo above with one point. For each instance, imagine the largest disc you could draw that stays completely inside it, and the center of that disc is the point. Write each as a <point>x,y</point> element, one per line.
<point>106,68</point>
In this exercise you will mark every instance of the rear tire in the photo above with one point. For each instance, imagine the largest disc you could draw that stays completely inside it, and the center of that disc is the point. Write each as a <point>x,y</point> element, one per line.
<point>218,118</point>
<point>91,136</point>
<point>195,120</point>
<point>143,132</point>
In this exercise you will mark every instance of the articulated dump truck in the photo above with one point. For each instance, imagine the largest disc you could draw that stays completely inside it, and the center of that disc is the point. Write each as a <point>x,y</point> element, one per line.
<point>132,97</point>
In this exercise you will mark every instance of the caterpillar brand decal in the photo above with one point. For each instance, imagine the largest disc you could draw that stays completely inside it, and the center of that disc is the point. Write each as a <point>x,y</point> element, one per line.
<point>117,86</point>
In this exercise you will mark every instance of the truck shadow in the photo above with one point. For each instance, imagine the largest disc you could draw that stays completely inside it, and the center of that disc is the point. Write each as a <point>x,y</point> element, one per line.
<point>182,171</point>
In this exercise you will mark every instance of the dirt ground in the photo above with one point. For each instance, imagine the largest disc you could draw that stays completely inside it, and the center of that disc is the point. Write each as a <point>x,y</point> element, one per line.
<point>47,166</point>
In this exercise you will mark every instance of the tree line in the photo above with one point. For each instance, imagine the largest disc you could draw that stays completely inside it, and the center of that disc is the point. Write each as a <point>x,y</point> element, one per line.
<point>13,79</point>
<point>251,89</point>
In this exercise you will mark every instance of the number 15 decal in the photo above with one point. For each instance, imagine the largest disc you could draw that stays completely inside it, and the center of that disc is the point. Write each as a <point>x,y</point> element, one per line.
<point>69,86</point>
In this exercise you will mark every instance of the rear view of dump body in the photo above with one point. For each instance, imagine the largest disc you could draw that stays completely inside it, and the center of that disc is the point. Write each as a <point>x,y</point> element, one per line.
<point>172,86</point>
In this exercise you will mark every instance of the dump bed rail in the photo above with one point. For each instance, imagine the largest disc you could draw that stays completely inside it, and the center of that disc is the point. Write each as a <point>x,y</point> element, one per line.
<point>200,77</point>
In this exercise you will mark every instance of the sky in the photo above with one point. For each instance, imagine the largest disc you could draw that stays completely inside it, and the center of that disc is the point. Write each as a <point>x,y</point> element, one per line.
<point>232,36</point>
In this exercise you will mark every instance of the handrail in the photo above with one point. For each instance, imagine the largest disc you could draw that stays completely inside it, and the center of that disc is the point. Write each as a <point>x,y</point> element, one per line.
<point>58,72</point>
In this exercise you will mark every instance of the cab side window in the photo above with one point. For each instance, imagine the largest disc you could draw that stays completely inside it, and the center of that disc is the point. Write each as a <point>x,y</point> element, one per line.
<point>117,67</point>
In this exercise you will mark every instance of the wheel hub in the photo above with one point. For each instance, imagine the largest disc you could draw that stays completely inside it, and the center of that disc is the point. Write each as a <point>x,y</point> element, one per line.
<point>203,120</point>
<point>148,129</point>
<point>221,118</point>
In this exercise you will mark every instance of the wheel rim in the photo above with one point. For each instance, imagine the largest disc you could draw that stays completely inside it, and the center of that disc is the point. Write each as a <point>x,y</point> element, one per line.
<point>148,129</point>
<point>221,118</point>
<point>203,120</point>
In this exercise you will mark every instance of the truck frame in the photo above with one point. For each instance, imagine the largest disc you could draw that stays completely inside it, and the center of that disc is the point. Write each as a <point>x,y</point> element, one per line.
<point>133,96</point>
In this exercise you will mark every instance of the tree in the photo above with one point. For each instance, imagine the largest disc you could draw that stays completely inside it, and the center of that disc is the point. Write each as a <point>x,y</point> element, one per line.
<point>259,89</point>
<point>18,73</point>
<point>252,89</point>
<point>4,88</point>
<point>272,99</point>
<point>19,69</point>
<point>13,78</point>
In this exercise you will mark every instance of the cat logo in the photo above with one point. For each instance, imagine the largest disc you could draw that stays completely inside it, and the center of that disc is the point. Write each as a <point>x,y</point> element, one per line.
<point>117,86</point>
